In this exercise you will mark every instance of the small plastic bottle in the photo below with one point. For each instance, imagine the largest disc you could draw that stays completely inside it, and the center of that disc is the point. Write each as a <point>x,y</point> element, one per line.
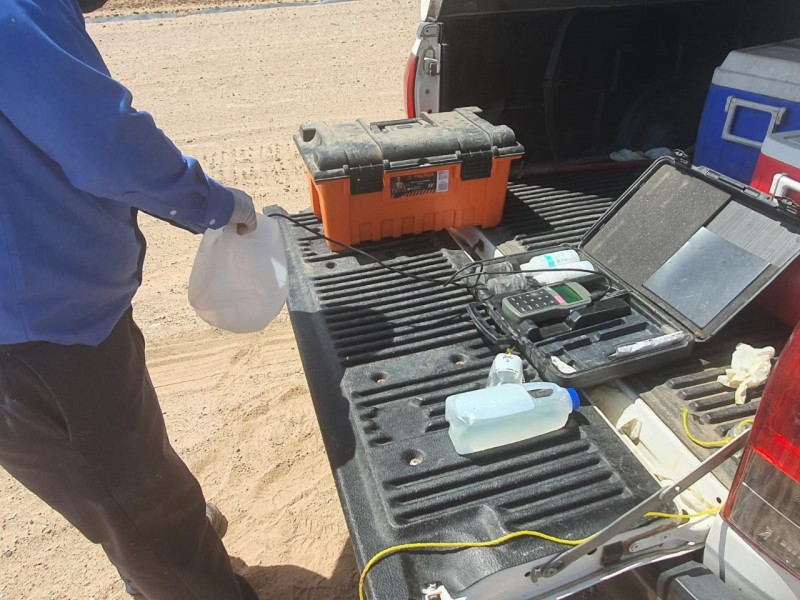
<point>552,260</point>
<point>507,413</point>
<point>498,267</point>
<point>506,368</point>
<point>548,277</point>
<point>507,283</point>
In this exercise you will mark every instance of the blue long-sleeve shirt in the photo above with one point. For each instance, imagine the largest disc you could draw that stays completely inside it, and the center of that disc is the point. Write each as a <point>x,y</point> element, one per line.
<point>76,163</point>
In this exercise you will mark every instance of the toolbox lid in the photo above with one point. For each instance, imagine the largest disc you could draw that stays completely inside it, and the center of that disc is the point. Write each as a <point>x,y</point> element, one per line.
<point>334,151</point>
<point>695,243</point>
<point>771,70</point>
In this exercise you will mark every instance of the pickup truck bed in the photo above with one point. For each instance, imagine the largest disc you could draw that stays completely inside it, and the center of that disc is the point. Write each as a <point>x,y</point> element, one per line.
<point>382,352</point>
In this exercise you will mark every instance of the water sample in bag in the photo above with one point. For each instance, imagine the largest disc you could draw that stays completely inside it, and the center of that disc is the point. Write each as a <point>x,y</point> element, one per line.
<point>239,282</point>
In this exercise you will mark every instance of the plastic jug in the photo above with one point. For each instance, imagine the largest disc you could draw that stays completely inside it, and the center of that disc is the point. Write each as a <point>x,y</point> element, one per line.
<point>507,413</point>
<point>239,282</point>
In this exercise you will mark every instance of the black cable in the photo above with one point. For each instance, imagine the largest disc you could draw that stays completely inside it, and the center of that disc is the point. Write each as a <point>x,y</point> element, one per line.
<point>480,264</point>
<point>595,295</point>
<point>370,256</point>
<point>456,278</point>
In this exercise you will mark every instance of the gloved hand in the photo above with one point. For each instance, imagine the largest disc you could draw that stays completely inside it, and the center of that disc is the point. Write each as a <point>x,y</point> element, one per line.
<point>244,213</point>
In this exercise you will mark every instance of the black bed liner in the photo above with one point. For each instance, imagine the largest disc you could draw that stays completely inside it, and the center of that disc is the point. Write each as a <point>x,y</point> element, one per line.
<point>381,353</point>
<point>558,208</point>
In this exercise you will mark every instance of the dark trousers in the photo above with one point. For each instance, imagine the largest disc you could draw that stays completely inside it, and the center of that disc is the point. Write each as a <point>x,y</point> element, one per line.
<point>81,428</point>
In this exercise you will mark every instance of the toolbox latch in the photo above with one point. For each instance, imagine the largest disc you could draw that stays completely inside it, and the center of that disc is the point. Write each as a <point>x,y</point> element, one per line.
<point>366,179</point>
<point>476,165</point>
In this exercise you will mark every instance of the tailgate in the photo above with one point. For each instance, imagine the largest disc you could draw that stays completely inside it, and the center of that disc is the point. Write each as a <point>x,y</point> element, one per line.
<point>382,352</point>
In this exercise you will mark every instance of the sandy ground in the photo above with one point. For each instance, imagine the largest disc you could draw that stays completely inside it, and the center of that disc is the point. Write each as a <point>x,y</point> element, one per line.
<point>231,89</point>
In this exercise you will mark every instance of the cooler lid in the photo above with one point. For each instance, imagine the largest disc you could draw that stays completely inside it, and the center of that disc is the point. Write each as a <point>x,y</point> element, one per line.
<point>695,243</point>
<point>784,146</point>
<point>770,70</point>
<point>332,151</point>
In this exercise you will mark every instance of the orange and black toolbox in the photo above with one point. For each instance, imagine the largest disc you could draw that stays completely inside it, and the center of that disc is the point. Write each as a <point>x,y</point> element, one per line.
<point>388,179</point>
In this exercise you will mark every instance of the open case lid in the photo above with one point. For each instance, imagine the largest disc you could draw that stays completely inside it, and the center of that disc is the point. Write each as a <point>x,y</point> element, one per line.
<point>696,244</point>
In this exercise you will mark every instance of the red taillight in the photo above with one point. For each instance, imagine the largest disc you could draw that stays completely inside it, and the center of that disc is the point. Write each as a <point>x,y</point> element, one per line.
<point>410,81</point>
<point>764,503</point>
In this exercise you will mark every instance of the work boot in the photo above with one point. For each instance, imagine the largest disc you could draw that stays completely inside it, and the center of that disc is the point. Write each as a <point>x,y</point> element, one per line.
<point>219,524</point>
<point>218,521</point>
<point>248,593</point>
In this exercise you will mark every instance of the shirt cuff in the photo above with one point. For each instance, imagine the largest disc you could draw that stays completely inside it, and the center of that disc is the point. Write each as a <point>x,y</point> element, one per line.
<point>220,206</point>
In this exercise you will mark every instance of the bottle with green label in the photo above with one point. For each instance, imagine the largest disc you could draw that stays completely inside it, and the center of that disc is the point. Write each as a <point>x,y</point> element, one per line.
<point>552,260</point>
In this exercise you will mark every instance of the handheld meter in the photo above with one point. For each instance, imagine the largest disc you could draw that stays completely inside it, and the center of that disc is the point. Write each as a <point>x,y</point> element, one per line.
<point>546,302</point>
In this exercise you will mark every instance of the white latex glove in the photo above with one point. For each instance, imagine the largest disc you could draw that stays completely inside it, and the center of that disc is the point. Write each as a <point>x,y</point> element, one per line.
<point>749,368</point>
<point>244,213</point>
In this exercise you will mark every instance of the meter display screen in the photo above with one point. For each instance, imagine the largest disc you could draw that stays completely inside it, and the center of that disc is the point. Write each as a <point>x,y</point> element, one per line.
<point>566,292</point>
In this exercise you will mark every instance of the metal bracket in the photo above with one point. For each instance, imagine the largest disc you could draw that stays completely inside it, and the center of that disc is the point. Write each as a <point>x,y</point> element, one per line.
<point>431,66</point>
<point>427,81</point>
<point>428,30</point>
<point>678,534</point>
<point>634,515</point>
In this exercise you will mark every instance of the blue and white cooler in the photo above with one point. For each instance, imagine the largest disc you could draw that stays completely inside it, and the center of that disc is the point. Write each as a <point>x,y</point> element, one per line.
<point>755,92</point>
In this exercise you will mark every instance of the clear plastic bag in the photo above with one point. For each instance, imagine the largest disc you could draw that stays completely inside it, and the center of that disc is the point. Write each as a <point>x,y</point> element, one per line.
<point>239,282</point>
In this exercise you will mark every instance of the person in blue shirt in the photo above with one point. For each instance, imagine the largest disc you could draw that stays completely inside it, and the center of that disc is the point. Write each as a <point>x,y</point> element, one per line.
<point>80,424</point>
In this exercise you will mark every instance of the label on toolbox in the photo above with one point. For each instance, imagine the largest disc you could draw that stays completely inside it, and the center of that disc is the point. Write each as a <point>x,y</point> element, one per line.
<point>420,183</point>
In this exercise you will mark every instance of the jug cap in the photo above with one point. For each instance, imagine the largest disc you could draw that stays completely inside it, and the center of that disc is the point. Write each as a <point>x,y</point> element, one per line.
<point>576,399</point>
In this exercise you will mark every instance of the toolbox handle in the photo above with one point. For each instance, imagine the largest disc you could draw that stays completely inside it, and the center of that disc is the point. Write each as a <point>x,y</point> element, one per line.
<point>483,327</point>
<point>733,104</point>
<point>382,126</point>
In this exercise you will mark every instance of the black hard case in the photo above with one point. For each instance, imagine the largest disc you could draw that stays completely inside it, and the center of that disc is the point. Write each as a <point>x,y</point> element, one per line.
<point>649,223</point>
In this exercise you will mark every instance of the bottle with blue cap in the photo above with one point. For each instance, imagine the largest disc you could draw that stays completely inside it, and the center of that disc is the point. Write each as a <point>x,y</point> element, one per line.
<point>507,413</point>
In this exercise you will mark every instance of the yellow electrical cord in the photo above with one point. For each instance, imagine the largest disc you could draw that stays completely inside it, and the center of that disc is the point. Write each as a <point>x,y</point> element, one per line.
<point>705,513</point>
<point>714,444</point>
<point>501,540</point>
